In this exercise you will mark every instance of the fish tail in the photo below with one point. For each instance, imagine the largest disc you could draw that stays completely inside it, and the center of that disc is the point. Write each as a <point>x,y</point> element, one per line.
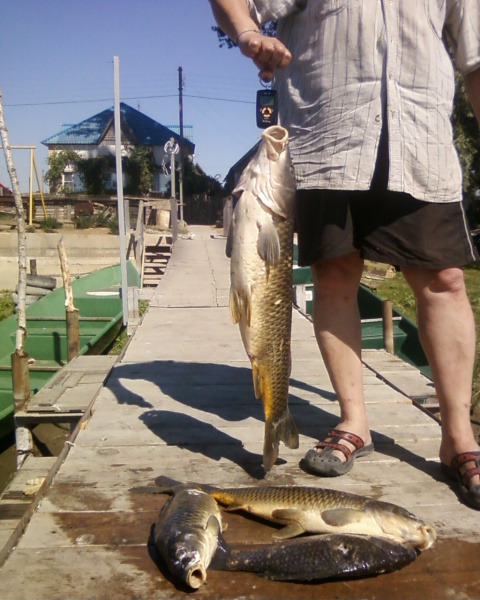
<point>166,485</point>
<point>284,430</point>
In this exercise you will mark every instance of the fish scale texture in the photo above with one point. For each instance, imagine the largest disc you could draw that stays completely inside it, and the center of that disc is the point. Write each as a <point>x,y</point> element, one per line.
<point>292,497</point>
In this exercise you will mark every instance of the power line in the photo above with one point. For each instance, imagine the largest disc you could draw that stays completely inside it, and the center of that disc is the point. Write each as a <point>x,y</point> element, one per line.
<point>85,101</point>
<point>51,103</point>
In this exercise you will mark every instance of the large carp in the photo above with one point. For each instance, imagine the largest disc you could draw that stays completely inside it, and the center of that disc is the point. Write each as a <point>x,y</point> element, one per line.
<point>260,248</point>
<point>316,557</point>
<point>316,510</point>
<point>187,532</point>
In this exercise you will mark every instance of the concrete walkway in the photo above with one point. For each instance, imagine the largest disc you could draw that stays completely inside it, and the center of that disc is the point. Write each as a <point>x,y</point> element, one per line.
<point>180,403</point>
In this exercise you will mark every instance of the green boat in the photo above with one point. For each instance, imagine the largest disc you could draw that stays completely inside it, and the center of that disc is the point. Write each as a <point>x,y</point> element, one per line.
<point>97,298</point>
<point>405,334</point>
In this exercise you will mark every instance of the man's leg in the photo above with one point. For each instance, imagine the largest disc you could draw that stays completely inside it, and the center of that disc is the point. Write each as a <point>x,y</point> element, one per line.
<point>447,331</point>
<point>337,328</point>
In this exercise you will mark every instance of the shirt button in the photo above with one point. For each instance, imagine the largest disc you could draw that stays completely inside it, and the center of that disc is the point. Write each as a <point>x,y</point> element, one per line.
<point>377,118</point>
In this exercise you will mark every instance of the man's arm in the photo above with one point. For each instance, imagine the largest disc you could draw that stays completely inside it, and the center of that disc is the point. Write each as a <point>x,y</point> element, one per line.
<point>472,86</point>
<point>268,54</point>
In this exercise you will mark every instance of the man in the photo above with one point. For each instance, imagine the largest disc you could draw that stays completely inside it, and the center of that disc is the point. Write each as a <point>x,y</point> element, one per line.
<point>366,92</point>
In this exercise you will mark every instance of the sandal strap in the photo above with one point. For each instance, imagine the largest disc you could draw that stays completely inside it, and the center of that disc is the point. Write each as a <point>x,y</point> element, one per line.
<point>349,437</point>
<point>463,458</point>
<point>346,451</point>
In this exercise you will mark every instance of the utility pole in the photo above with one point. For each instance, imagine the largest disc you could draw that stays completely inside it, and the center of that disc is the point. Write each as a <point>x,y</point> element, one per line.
<point>172,148</point>
<point>180,116</point>
<point>120,206</point>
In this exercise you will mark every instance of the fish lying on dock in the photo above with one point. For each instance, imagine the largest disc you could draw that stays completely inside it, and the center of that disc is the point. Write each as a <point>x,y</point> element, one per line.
<point>316,510</point>
<point>260,248</point>
<point>186,533</point>
<point>332,556</point>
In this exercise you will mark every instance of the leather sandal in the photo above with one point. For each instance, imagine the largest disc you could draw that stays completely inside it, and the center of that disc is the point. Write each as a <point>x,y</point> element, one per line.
<point>324,464</point>
<point>470,495</point>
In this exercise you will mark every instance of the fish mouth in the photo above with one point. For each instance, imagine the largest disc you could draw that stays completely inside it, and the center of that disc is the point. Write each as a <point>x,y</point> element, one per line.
<point>276,138</point>
<point>429,536</point>
<point>196,576</point>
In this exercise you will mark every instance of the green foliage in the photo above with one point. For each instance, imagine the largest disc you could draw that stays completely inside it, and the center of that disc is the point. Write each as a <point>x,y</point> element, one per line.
<point>224,41</point>
<point>195,181</point>
<point>91,171</point>
<point>57,162</point>
<point>121,339</point>
<point>398,291</point>
<point>467,141</point>
<point>6,305</point>
<point>84,222</point>
<point>113,225</point>
<point>139,165</point>
<point>49,224</point>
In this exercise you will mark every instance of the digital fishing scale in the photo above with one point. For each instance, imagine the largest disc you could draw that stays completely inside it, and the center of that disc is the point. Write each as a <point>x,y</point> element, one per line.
<point>267,107</point>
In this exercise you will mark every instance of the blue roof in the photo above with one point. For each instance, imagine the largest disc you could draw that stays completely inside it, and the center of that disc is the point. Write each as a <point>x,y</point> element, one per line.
<point>145,131</point>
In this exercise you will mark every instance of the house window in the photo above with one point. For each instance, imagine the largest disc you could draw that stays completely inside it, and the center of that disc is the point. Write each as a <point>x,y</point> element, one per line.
<point>110,181</point>
<point>68,181</point>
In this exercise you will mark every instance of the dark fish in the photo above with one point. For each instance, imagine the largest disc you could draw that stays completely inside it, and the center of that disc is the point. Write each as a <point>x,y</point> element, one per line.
<point>335,556</point>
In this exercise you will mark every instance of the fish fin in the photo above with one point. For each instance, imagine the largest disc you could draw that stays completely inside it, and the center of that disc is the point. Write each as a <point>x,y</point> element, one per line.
<point>257,380</point>
<point>213,526</point>
<point>230,235</point>
<point>286,431</point>
<point>270,446</point>
<point>290,531</point>
<point>268,244</point>
<point>235,306</point>
<point>338,517</point>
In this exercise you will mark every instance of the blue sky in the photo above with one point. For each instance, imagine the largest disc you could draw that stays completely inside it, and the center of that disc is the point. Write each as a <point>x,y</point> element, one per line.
<point>56,67</point>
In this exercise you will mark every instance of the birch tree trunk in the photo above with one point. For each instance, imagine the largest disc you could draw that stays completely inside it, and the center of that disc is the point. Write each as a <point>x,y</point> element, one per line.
<point>22,239</point>
<point>20,372</point>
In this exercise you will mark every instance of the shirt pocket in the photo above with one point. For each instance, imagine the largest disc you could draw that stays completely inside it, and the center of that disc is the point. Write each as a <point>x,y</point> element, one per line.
<point>436,12</point>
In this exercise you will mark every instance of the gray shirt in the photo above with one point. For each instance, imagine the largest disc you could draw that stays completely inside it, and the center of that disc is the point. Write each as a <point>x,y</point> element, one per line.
<point>356,62</point>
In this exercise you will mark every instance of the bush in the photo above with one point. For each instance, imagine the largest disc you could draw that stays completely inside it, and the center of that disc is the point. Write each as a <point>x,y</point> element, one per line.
<point>83,222</point>
<point>6,305</point>
<point>49,224</point>
<point>113,225</point>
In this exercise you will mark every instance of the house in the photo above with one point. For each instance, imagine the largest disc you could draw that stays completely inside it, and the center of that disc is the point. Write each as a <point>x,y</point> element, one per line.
<point>4,191</point>
<point>96,137</point>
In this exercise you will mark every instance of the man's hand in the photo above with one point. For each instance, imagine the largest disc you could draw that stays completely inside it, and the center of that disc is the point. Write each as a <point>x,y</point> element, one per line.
<point>266,52</point>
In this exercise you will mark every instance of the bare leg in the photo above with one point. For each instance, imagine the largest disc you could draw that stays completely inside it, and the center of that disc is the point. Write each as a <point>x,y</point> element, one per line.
<point>447,332</point>
<point>337,327</point>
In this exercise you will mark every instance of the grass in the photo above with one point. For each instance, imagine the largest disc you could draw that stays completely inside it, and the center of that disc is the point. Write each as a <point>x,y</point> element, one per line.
<point>399,293</point>
<point>121,339</point>
<point>6,305</point>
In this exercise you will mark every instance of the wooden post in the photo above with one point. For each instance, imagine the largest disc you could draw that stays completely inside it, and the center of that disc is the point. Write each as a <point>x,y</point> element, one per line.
<point>387,316</point>
<point>21,396</point>
<point>73,327</point>
<point>33,266</point>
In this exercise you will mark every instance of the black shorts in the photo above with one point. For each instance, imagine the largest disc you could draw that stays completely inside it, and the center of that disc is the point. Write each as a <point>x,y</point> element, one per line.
<point>393,228</point>
<point>384,226</point>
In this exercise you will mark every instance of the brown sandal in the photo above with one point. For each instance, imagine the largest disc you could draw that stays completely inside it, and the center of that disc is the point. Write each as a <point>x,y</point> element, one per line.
<point>326,465</point>
<point>470,495</point>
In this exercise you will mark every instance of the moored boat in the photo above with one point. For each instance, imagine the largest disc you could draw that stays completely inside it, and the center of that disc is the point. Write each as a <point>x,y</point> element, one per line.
<point>97,298</point>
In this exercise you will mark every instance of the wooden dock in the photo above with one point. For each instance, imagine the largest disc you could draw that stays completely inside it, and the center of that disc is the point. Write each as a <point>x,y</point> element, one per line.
<point>180,403</point>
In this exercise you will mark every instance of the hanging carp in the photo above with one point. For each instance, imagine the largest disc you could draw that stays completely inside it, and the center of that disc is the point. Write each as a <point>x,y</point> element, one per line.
<point>260,248</point>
